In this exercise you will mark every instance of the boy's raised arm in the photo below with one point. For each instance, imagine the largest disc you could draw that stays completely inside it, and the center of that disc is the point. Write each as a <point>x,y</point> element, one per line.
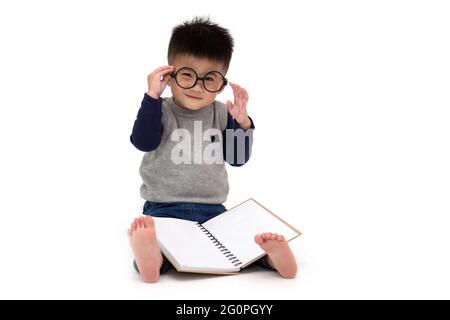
<point>238,135</point>
<point>237,142</point>
<point>147,129</point>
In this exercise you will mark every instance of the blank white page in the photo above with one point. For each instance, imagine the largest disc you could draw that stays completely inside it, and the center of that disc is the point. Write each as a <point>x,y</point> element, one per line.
<point>237,227</point>
<point>185,242</point>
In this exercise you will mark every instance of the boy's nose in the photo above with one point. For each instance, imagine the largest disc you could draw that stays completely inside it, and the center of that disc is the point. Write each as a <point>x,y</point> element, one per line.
<point>198,87</point>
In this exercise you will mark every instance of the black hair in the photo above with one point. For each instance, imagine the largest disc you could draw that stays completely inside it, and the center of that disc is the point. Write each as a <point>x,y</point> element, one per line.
<point>201,38</point>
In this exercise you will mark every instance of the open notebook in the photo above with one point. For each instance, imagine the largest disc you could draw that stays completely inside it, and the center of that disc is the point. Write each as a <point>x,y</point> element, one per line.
<point>224,244</point>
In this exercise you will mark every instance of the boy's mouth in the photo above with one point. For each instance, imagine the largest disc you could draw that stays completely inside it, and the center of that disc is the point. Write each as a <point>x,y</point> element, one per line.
<point>193,97</point>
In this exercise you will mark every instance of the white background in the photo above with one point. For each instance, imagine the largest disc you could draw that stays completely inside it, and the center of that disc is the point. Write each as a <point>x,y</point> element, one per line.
<point>351,103</point>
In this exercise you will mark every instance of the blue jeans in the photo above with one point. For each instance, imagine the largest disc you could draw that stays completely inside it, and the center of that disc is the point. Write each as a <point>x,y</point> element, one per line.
<point>183,210</point>
<point>187,211</point>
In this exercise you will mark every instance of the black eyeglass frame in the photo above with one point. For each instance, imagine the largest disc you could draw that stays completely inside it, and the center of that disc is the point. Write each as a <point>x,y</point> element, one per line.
<point>174,75</point>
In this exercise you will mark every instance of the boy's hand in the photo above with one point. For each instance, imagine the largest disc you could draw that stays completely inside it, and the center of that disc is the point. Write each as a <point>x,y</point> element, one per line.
<point>238,109</point>
<point>158,80</point>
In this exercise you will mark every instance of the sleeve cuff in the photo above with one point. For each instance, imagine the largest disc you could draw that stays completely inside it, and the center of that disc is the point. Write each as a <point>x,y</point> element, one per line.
<point>252,125</point>
<point>150,99</point>
<point>149,103</point>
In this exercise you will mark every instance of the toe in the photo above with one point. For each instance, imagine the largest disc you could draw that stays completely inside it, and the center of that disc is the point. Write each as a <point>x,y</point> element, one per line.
<point>258,239</point>
<point>148,221</point>
<point>281,238</point>
<point>134,224</point>
<point>274,236</point>
<point>141,222</point>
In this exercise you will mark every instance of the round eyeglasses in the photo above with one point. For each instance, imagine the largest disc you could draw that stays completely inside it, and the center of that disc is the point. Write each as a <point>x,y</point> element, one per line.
<point>187,78</point>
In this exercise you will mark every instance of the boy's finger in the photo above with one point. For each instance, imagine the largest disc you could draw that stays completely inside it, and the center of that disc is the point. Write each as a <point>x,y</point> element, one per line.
<point>166,78</point>
<point>160,75</point>
<point>241,98</point>
<point>162,70</point>
<point>230,105</point>
<point>164,67</point>
<point>238,87</point>
<point>236,91</point>
<point>234,87</point>
<point>242,91</point>
<point>165,70</point>
<point>245,93</point>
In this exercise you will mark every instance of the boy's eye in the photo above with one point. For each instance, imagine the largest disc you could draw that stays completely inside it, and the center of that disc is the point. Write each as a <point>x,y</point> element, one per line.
<point>186,74</point>
<point>210,79</point>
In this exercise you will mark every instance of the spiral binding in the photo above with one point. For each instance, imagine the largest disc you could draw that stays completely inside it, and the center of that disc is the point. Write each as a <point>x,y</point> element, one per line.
<point>234,260</point>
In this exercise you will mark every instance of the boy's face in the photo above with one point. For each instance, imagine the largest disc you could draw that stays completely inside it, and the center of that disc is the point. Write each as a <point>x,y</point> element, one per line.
<point>196,97</point>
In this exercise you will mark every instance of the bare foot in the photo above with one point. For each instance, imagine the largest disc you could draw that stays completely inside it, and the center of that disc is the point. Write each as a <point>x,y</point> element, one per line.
<point>146,251</point>
<point>279,254</point>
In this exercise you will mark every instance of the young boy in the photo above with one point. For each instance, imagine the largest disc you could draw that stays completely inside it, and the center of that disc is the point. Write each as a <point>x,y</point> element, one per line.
<point>186,180</point>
